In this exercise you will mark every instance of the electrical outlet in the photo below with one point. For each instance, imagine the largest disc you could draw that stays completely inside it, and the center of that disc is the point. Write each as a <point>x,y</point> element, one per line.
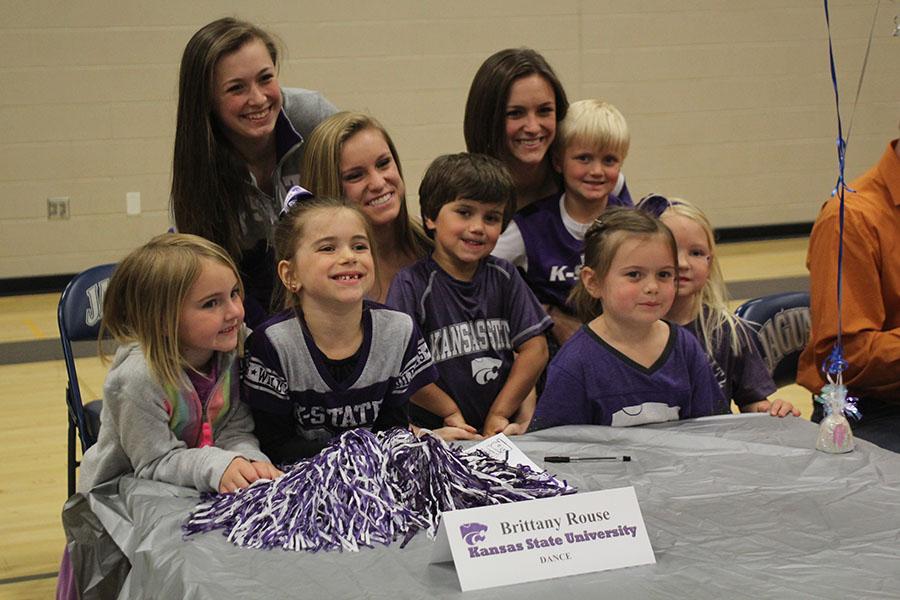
<point>133,203</point>
<point>57,208</point>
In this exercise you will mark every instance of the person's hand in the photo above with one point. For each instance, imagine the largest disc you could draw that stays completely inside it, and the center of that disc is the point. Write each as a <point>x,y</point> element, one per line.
<point>454,434</point>
<point>515,429</point>
<point>239,474</point>
<point>782,408</point>
<point>776,408</point>
<point>455,419</point>
<point>495,424</point>
<point>266,470</point>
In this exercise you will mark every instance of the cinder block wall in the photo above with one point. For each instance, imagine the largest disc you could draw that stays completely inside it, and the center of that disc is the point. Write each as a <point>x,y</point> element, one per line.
<point>730,102</point>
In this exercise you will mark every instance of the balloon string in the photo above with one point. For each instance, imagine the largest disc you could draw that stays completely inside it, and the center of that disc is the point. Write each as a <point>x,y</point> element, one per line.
<point>862,71</point>
<point>835,364</point>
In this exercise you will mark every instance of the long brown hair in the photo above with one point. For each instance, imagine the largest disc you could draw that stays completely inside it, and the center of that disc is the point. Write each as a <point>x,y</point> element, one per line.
<point>484,124</point>
<point>321,171</point>
<point>210,181</point>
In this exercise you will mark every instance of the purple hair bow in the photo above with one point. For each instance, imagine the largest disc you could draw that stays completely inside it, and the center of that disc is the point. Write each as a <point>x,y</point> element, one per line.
<point>655,204</point>
<point>295,194</point>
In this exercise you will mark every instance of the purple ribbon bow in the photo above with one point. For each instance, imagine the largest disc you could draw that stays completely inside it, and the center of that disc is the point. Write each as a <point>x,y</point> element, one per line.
<point>655,204</point>
<point>294,195</point>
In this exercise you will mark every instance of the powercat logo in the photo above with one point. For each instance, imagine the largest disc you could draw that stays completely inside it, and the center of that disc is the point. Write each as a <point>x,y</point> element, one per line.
<point>486,369</point>
<point>472,533</point>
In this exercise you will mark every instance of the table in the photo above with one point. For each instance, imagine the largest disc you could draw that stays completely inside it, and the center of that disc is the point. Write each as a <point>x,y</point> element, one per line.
<point>736,506</point>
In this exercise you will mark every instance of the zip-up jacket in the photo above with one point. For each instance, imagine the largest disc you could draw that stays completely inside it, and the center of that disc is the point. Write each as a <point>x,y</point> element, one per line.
<point>155,433</point>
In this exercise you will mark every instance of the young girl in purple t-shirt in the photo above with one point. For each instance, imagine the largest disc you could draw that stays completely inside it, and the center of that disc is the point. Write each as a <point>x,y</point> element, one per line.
<point>701,307</point>
<point>626,366</point>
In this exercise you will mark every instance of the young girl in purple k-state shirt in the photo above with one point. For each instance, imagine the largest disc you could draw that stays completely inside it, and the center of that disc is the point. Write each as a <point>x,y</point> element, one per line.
<point>332,360</point>
<point>701,307</point>
<point>627,366</point>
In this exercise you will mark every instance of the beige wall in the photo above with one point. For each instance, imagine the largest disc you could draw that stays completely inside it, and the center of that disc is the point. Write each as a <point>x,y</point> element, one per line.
<point>730,102</point>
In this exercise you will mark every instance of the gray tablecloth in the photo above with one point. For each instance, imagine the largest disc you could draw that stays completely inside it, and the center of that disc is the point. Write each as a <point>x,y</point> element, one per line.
<point>735,506</point>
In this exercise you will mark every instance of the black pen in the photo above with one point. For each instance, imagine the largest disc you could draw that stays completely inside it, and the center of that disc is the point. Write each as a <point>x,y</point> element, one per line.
<point>565,459</point>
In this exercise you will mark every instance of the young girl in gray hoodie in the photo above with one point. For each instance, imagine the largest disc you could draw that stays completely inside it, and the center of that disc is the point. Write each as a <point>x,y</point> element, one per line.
<point>171,403</point>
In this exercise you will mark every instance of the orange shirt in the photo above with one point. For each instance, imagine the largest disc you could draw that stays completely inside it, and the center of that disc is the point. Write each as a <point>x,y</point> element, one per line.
<point>871,285</point>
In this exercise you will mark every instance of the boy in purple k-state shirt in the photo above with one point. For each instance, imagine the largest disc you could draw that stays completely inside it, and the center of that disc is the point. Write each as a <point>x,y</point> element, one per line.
<point>482,323</point>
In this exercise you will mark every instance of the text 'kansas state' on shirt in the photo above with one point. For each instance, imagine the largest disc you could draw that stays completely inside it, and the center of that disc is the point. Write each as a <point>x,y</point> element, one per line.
<point>468,337</point>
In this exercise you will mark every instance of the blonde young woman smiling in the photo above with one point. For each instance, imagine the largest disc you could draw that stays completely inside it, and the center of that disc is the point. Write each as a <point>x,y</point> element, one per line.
<point>351,155</point>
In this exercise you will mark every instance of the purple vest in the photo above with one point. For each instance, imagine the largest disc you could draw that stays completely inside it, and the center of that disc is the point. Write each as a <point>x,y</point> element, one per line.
<point>554,256</point>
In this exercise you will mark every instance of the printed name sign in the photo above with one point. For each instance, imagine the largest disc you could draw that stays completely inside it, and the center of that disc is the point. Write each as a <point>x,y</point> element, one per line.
<point>542,539</point>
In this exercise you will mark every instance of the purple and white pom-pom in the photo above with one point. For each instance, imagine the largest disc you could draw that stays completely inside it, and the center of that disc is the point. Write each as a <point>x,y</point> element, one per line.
<point>365,488</point>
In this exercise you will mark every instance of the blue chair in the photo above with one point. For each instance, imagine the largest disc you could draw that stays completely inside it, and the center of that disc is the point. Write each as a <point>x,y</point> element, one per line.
<point>79,313</point>
<point>782,325</point>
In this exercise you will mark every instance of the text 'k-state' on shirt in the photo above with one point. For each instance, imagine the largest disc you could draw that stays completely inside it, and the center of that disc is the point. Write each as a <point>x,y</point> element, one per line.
<point>287,377</point>
<point>548,246</point>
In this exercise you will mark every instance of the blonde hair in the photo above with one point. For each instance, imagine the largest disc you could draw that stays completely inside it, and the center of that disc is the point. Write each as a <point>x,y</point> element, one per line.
<point>595,123</point>
<point>321,171</point>
<point>714,295</point>
<point>601,242</point>
<point>145,295</point>
<point>291,228</point>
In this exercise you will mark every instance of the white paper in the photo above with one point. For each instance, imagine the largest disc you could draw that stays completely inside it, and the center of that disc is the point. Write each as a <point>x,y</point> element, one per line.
<point>542,539</point>
<point>501,447</point>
